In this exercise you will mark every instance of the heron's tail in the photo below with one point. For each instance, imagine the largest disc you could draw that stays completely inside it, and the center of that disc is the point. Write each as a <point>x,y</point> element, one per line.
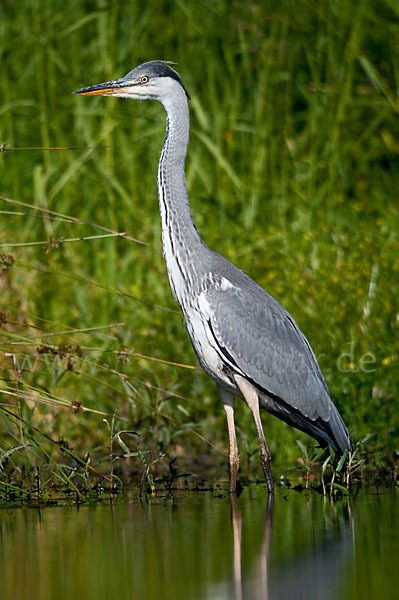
<point>339,432</point>
<point>332,432</point>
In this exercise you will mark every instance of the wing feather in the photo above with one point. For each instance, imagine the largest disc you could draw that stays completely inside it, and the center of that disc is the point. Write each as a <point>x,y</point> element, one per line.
<point>266,344</point>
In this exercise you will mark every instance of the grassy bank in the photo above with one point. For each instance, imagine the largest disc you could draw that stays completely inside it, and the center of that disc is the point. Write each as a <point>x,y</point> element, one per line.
<point>292,173</point>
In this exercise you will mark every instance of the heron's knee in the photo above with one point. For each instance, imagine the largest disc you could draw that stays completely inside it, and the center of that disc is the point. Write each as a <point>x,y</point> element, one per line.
<point>234,459</point>
<point>265,455</point>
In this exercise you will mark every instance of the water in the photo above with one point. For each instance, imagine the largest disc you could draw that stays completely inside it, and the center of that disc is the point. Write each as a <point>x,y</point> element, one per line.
<point>200,545</point>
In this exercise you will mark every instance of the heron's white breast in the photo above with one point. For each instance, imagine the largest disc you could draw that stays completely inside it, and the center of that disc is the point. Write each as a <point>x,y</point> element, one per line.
<point>203,342</point>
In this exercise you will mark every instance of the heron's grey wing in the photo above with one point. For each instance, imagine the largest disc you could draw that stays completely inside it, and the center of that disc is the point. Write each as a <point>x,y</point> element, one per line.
<point>261,340</point>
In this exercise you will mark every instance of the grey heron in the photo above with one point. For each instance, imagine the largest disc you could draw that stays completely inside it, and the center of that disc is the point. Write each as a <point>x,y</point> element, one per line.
<point>243,338</point>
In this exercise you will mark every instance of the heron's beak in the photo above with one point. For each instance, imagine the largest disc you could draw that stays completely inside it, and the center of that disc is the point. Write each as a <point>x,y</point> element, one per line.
<point>105,89</point>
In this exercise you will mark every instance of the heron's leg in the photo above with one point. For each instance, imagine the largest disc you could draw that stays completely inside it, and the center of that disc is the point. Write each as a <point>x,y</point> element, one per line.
<point>252,399</point>
<point>234,456</point>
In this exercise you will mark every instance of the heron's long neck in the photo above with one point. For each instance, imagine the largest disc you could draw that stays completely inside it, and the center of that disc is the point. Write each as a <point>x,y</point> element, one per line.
<point>181,241</point>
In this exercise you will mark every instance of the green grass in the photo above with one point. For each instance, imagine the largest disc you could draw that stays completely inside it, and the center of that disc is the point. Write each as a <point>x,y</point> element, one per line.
<point>292,173</point>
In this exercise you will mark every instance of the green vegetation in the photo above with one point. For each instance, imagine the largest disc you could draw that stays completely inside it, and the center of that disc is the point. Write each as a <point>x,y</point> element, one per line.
<point>293,175</point>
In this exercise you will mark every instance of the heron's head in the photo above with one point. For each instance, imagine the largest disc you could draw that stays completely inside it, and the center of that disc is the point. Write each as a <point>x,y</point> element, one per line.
<point>154,80</point>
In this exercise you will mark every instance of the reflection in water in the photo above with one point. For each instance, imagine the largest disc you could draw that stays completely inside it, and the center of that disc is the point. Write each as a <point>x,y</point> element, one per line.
<point>317,573</point>
<point>202,546</point>
<point>263,557</point>
<point>236,525</point>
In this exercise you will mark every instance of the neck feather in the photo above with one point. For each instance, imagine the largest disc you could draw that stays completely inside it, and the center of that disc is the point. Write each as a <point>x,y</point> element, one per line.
<point>181,241</point>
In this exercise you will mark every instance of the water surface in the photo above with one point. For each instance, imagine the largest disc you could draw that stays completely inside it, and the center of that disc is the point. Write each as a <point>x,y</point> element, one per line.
<point>201,545</point>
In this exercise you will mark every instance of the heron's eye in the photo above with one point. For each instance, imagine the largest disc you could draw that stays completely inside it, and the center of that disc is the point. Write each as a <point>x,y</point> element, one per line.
<point>144,79</point>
